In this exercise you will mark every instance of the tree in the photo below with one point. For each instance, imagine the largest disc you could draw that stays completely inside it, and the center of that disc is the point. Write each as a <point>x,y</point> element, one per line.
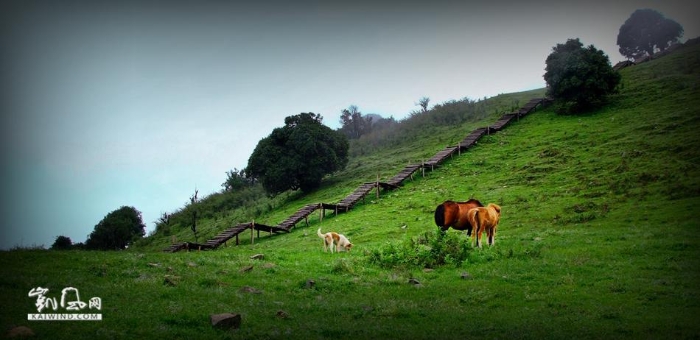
<point>62,243</point>
<point>645,32</point>
<point>117,230</point>
<point>193,204</point>
<point>353,123</point>
<point>579,78</point>
<point>235,180</point>
<point>298,155</point>
<point>423,103</point>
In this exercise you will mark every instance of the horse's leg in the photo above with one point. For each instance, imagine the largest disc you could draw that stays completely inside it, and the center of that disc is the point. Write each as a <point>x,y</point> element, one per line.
<point>477,236</point>
<point>489,232</point>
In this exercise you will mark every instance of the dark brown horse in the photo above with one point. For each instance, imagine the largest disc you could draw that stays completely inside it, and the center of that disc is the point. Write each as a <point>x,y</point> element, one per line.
<point>454,214</point>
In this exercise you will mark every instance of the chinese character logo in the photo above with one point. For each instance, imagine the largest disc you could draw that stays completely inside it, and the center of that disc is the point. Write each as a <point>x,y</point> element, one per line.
<point>70,300</point>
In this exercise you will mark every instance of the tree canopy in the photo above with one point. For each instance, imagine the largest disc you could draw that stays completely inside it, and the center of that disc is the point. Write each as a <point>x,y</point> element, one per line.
<point>579,78</point>
<point>235,180</point>
<point>62,243</point>
<point>117,230</point>
<point>645,32</point>
<point>298,155</point>
<point>353,123</point>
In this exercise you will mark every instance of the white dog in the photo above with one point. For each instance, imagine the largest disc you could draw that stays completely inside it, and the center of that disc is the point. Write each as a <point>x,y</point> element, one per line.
<point>332,238</point>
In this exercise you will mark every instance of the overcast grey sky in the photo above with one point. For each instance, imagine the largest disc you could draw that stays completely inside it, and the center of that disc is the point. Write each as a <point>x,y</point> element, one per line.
<point>137,103</point>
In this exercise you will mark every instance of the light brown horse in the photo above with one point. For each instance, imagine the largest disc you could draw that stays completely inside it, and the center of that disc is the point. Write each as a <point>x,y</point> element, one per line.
<point>454,214</point>
<point>485,218</point>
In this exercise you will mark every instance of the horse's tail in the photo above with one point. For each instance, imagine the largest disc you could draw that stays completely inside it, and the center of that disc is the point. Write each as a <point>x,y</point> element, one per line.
<point>440,215</point>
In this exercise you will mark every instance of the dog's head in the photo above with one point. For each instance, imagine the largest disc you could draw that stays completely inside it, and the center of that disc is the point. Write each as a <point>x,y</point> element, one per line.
<point>348,247</point>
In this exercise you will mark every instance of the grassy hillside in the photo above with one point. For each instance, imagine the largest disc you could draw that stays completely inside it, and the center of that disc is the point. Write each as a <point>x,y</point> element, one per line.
<point>599,238</point>
<point>382,154</point>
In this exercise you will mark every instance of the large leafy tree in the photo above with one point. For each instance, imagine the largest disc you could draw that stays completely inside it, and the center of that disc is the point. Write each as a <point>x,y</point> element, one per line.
<point>298,155</point>
<point>117,230</point>
<point>645,32</point>
<point>579,78</point>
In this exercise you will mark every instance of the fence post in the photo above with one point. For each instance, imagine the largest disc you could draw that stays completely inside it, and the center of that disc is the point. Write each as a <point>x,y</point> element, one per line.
<point>377,185</point>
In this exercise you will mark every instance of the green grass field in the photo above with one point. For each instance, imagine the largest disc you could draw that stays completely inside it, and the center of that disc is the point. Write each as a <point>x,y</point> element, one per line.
<point>599,238</point>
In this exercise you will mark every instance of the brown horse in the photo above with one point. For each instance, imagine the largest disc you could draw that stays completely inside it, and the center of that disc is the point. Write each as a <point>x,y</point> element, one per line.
<point>454,214</point>
<point>485,219</point>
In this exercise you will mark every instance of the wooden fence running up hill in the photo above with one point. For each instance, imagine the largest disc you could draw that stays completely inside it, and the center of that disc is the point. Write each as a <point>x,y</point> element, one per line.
<point>364,189</point>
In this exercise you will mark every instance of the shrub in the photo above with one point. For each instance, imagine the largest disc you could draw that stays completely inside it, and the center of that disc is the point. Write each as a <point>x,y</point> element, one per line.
<point>62,243</point>
<point>428,250</point>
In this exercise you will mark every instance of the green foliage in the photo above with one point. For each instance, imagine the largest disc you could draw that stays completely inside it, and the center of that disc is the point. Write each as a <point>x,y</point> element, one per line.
<point>62,243</point>
<point>298,155</point>
<point>117,230</point>
<point>236,180</point>
<point>227,207</point>
<point>353,123</point>
<point>579,78</point>
<point>420,125</point>
<point>645,32</point>
<point>428,250</point>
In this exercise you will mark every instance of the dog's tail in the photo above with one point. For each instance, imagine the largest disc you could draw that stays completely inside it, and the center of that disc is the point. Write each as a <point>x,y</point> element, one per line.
<point>318,232</point>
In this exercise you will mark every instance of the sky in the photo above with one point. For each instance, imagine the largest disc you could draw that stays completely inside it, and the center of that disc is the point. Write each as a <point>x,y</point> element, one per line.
<point>138,103</point>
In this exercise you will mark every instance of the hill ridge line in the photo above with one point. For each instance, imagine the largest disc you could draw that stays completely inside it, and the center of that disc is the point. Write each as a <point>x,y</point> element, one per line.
<point>364,189</point>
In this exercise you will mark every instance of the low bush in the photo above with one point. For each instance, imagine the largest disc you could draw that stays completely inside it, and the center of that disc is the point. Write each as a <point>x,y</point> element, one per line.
<point>428,250</point>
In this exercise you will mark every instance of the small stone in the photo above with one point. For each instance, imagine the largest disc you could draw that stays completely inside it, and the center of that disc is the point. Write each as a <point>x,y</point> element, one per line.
<point>414,282</point>
<point>171,280</point>
<point>246,269</point>
<point>269,265</point>
<point>156,265</point>
<point>428,270</point>
<point>248,289</point>
<point>191,264</point>
<point>225,321</point>
<point>466,276</point>
<point>257,257</point>
<point>20,332</point>
<point>282,314</point>
<point>310,284</point>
